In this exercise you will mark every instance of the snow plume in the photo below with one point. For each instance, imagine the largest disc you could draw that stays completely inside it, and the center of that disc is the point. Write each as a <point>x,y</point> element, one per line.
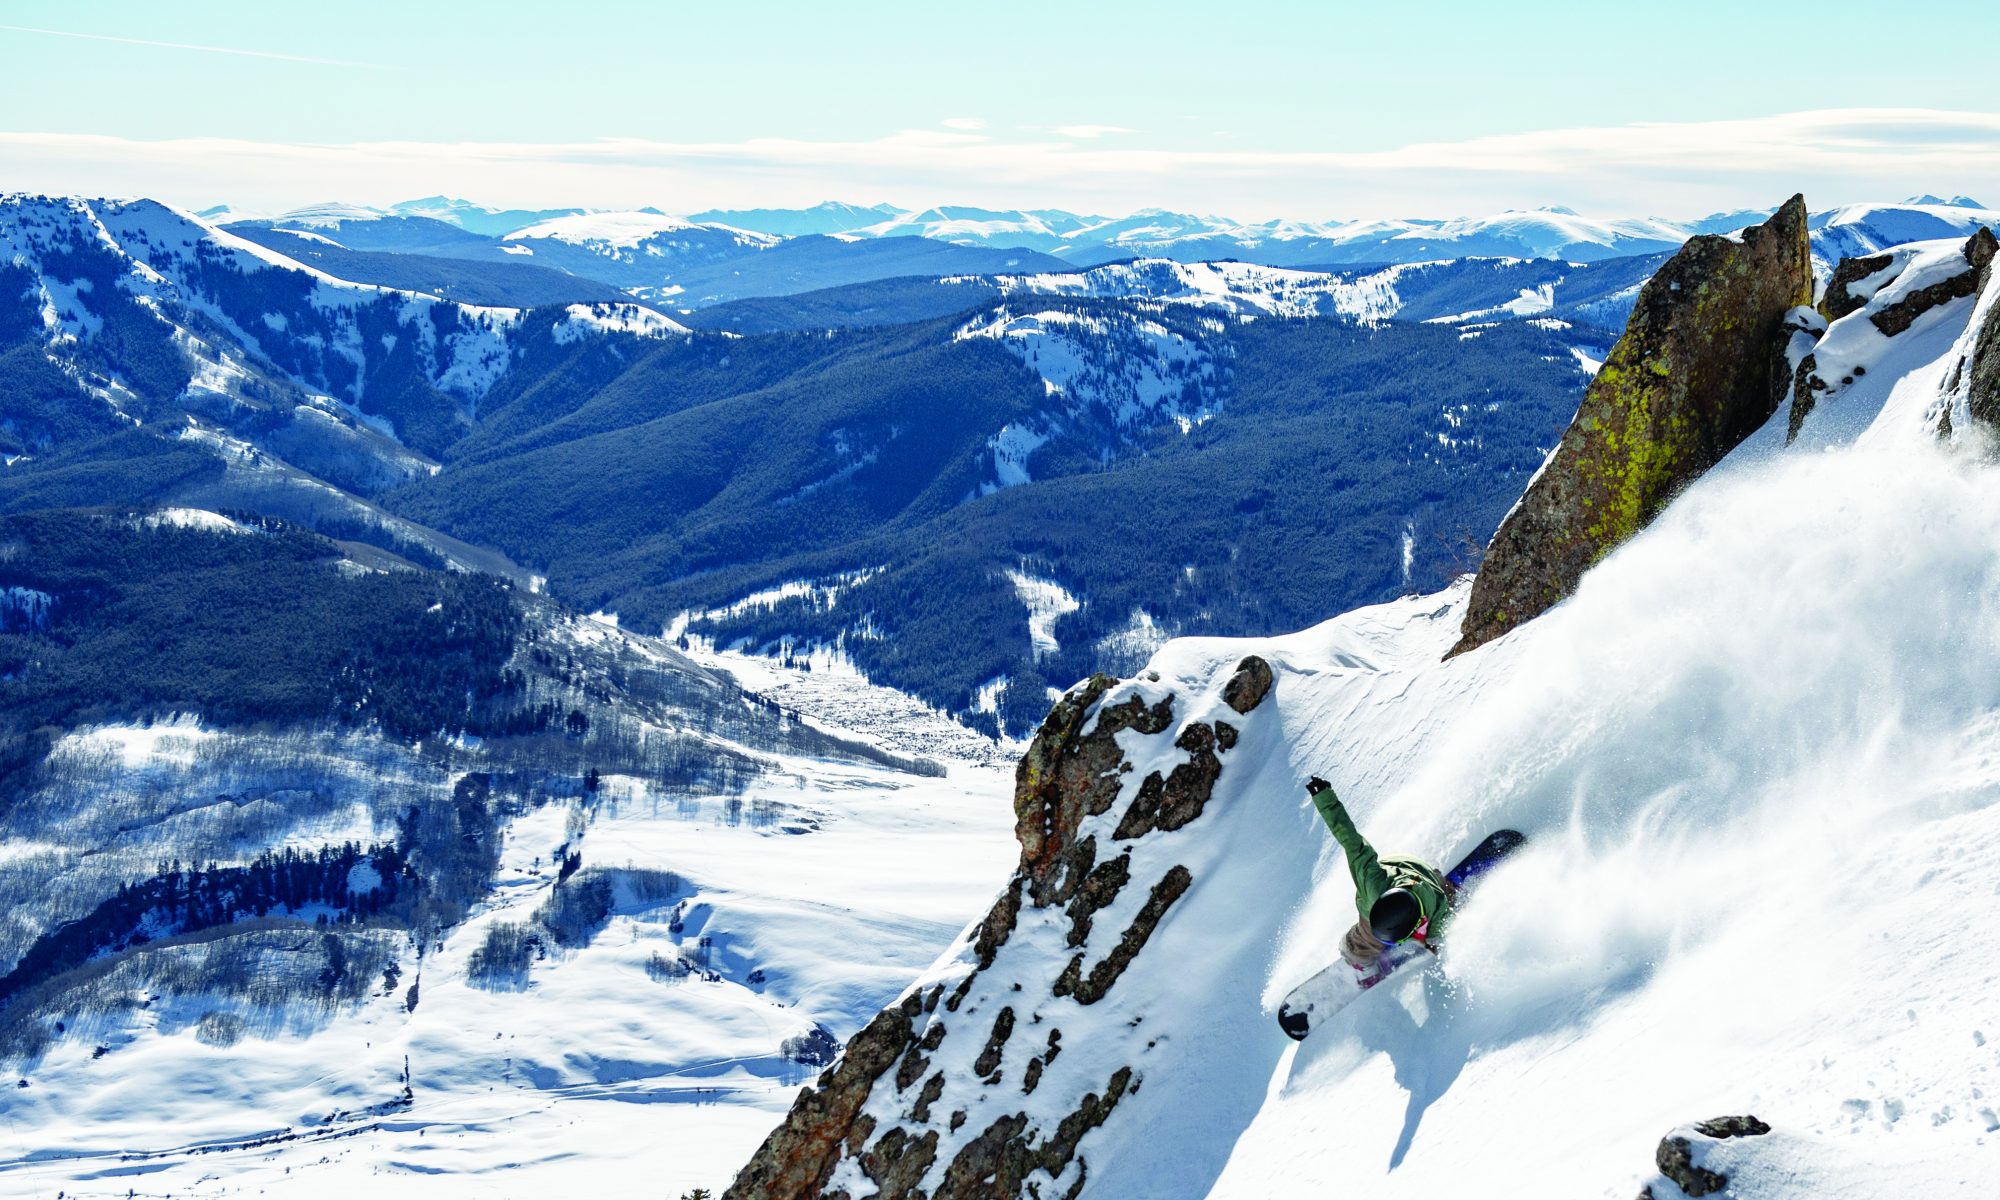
<point>1758,757</point>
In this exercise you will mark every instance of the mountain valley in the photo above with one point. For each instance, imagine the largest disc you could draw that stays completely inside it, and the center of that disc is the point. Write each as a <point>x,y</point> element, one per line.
<point>490,699</point>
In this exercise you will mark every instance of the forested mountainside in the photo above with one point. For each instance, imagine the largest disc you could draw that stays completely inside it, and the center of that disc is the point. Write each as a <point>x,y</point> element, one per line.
<point>978,481</point>
<point>1040,474</point>
<point>1161,470</point>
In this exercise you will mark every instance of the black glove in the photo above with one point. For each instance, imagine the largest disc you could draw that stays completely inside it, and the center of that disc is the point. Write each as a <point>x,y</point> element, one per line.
<point>1316,785</point>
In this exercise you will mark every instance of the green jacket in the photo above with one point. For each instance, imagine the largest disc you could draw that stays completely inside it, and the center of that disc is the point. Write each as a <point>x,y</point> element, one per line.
<point>1375,874</point>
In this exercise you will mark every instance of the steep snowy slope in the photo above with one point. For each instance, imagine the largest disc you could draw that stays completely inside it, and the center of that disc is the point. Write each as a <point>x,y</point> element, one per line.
<point>152,310</point>
<point>1755,758</point>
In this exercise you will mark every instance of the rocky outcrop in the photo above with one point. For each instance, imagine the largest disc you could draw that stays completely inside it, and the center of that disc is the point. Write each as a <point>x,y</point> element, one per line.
<point>1841,298</point>
<point>956,1092</point>
<point>1983,369</point>
<point>1891,315</point>
<point>1700,366</point>
<point>1979,248</point>
<point>1680,1156</point>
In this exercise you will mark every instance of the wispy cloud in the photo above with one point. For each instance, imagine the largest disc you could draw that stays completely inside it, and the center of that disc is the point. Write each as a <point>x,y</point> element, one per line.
<point>966,123</point>
<point>1667,169</point>
<point>1090,131</point>
<point>127,41</point>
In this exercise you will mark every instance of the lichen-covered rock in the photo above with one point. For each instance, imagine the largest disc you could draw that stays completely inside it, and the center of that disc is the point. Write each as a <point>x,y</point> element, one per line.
<point>793,1163</point>
<point>1700,366</point>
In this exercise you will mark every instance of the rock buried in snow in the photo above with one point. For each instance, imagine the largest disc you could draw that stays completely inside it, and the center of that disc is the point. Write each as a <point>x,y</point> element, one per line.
<point>1247,688</point>
<point>1841,297</point>
<point>1729,1127</point>
<point>1677,1156</point>
<point>1891,309</point>
<point>1700,366</point>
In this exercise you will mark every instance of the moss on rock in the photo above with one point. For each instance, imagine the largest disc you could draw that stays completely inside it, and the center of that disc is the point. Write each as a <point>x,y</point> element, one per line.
<point>1700,366</point>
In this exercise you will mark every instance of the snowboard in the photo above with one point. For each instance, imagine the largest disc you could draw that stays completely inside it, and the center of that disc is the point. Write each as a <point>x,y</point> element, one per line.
<point>1334,988</point>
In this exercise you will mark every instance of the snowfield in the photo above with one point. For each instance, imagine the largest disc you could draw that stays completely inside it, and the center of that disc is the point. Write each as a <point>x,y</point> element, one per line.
<point>646,1061</point>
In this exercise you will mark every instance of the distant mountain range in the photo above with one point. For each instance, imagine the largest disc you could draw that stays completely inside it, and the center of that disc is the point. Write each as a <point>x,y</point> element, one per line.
<point>686,263</point>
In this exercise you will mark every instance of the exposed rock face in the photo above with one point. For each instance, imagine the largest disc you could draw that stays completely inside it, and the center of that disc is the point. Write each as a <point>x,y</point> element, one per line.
<point>1700,366</point>
<point>996,1117</point>
<point>1247,688</point>
<point>1978,254</point>
<point>1983,394</point>
<point>1840,300</point>
<point>1678,1155</point>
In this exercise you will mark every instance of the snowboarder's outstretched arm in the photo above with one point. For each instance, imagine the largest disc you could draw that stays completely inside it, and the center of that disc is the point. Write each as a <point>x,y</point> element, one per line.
<point>1370,880</point>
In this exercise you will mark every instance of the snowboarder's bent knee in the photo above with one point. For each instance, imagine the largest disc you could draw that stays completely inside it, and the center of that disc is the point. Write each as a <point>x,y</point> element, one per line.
<point>1398,898</point>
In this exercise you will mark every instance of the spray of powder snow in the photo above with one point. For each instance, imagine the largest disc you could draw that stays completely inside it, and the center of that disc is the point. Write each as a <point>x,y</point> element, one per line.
<point>1784,665</point>
<point>1759,759</point>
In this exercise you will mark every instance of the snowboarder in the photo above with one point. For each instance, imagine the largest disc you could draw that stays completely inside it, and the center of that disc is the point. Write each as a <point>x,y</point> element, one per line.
<point>1399,899</point>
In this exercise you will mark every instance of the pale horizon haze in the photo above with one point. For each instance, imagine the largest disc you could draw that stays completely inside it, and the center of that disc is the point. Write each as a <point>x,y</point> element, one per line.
<point>1266,110</point>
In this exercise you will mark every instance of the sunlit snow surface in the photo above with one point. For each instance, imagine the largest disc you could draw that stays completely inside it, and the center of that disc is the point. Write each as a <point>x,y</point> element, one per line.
<point>1757,757</point>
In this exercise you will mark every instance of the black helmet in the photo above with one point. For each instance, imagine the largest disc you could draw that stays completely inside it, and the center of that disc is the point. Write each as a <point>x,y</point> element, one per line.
<point>1395,916</point>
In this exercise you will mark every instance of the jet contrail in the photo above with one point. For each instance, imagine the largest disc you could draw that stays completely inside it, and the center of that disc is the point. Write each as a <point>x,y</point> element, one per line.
<point>105,37</point>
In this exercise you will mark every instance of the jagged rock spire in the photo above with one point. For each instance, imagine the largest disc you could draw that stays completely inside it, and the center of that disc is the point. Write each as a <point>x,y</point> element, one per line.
<point>986,1079</point>
<point>1700,366</point>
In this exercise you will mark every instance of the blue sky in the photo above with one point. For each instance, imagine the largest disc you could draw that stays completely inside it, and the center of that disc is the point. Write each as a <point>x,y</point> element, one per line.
<point>1258,109</point>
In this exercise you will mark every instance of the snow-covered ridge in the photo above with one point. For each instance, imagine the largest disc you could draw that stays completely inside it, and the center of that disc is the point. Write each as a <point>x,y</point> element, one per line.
<point>636,319</point>
<point>1243,289</point>
<point>286,327</point>
<point>1550,231</point>
<point>1108,374</point>
<point>614,231</point>
<point>1860,230</point>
